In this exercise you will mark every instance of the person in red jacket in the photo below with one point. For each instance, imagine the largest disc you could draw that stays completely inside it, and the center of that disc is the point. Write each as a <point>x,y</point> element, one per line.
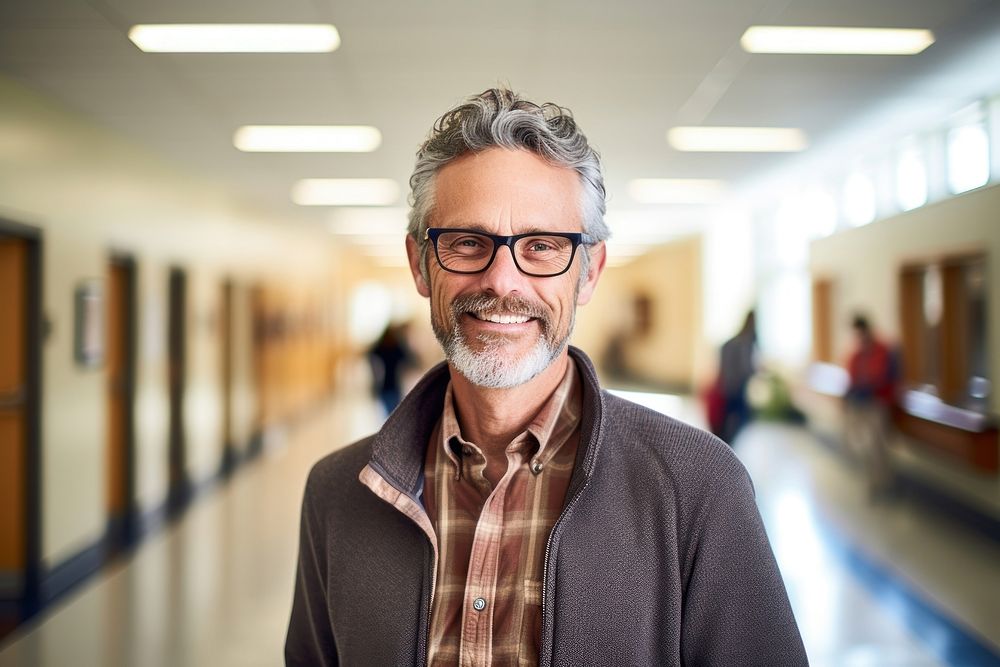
<point>868,402</point>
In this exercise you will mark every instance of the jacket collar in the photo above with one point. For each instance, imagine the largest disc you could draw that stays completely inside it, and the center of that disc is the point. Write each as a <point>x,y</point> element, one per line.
<point>400,445</point>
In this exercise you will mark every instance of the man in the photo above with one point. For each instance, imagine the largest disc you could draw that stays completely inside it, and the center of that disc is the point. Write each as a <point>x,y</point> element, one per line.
<point>736,368</point>
<point>509,511</point>
<point>873,373</point>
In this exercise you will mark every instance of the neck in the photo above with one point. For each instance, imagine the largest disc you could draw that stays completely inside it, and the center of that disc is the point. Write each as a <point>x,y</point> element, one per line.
<point>491,418</point>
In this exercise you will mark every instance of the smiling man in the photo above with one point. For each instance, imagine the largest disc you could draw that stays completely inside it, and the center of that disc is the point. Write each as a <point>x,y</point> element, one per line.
<point>509,511</point>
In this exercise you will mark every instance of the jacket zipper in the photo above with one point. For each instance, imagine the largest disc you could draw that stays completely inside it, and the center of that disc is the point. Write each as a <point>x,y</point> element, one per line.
<point>545,649</point>
<point>424,631</point>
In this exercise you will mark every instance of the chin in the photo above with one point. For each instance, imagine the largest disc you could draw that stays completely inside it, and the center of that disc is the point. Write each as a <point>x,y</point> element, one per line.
<point>493,367</point>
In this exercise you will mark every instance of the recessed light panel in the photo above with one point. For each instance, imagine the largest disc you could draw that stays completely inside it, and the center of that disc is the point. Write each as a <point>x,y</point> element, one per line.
<point>857,41</point>
<point>235,38</point>
<point>737,139</point>
<point>345,192</point>
<point>675,190</point>
<point>307,138</point>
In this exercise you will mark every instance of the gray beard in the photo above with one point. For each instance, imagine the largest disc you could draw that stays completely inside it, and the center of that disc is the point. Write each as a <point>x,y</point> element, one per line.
<point>492,367</point>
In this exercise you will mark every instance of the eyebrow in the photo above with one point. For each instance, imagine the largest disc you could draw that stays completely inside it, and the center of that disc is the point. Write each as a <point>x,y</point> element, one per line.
<point>528,230</point>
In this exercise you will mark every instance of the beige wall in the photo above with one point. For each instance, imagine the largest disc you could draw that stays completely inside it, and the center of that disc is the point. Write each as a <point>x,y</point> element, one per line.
<point>90,194</point>
<point>670,276</point>
<point>864,263</point>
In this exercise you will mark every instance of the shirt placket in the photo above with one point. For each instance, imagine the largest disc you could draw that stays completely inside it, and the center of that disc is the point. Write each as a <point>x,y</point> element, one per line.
<point>476,646</point>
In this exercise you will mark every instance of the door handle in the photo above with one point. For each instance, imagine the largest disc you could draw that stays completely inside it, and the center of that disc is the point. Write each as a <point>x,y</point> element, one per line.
<point>13,400</point>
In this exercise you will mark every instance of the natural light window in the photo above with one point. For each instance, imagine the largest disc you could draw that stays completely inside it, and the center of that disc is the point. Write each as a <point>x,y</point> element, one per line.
<point>911,178</point>
<point>859,199</point>
<point>968,157</point>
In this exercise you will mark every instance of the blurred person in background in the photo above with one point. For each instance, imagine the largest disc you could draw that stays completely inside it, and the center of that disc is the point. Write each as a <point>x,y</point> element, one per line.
<point>510,511</point>
<point>389,358</point>
<point>737,364</point>
<point>873,370</point>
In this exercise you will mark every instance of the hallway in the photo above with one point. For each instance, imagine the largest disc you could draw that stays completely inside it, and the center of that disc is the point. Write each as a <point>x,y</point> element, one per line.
<point>894,584</point>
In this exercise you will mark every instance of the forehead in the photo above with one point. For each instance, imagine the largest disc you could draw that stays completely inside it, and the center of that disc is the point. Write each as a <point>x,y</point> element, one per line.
<point>501,189</point>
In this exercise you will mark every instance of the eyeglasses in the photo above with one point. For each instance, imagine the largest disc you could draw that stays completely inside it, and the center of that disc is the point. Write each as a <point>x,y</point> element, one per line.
<point>538,254</point>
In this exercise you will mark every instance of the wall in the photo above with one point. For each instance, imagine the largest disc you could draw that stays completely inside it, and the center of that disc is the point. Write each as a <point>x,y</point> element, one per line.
<point>92,194</point>
<point>863,265</point>
<point>670,277</point>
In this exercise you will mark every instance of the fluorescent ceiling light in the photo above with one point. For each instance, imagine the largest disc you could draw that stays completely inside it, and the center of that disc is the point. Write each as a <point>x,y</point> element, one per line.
<point>235,38</point>
<point>675,190</point>
<point>307,138</point>
<point>858,41</point>
<point>345,192</point>
<point>737,139</point>
<point>370,226</point>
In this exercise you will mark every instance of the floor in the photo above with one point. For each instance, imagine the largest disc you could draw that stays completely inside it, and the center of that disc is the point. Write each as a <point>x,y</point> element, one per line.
<point>872,585</point>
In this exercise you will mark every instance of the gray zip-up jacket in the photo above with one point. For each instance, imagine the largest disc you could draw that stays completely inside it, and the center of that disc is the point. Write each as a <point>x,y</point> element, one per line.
<point>658,558</point>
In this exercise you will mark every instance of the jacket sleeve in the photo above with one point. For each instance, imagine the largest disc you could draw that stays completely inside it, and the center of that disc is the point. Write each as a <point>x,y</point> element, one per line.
<point>736,610</point>
<point>310,639</point>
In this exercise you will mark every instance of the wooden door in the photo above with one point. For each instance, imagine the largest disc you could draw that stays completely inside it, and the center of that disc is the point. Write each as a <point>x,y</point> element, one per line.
<point>119,404</point>
<point>226,343</point>
<point>822,317</point>
<point>13,416</point>
<point>179,491</point>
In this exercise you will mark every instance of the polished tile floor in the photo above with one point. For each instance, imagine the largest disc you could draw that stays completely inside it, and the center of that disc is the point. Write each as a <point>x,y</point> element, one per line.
<point>884,585</point>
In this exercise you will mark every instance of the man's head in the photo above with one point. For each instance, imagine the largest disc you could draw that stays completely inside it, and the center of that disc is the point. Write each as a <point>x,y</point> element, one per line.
<point>504,166</point>
<point>862,328</point>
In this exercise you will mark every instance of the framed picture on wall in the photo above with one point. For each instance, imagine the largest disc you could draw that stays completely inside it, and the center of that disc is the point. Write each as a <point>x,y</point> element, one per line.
<point>88,316</point>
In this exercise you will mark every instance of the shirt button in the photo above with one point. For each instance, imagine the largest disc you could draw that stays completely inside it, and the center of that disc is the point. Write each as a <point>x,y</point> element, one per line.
<point>536,466</point>
<point>479,604</point>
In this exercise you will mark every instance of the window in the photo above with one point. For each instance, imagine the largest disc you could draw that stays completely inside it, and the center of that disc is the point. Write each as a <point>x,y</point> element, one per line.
<point>911,178</point>
<point>968,156</point>
<point>859,199</point>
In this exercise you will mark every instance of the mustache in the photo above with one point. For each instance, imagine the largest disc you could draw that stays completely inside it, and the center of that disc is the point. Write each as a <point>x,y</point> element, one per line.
<point>510,305</point>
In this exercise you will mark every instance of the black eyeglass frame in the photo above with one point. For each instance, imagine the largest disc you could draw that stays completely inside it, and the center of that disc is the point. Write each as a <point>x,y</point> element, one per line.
<point>576,238</point>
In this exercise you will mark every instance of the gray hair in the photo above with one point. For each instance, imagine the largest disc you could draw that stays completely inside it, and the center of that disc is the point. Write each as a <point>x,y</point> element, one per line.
<point>500,118</point>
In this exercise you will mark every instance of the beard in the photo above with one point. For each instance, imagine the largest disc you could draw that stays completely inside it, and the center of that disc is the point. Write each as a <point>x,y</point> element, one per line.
<point>492,365</point>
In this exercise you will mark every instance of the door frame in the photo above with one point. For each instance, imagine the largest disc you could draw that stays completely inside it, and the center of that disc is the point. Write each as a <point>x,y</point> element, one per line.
<point>30,601</point>
<point>226,320</point>
<point>179,492</point>
<point>124,531</point>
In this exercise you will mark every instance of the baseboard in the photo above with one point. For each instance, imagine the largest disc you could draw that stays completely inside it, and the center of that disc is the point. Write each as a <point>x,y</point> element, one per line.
<point>60,580</point>
<point>67,575</point>
<point>956,508</point>
<point>925,492</point>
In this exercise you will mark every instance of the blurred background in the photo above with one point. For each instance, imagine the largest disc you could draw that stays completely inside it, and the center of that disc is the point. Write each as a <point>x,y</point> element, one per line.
<point>203,290</point>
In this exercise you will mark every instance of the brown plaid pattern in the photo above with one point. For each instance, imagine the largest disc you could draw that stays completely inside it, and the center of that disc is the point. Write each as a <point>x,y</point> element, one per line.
<point>491,541</point>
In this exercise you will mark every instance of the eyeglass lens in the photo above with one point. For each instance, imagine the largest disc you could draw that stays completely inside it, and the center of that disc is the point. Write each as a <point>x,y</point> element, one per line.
<point>537,254</point>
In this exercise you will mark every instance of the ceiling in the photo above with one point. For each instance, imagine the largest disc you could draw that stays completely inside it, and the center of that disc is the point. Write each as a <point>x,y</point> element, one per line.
<point>628,70</point>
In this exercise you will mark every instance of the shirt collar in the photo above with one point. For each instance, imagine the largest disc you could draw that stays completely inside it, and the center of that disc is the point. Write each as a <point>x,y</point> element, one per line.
<point>550,428</point>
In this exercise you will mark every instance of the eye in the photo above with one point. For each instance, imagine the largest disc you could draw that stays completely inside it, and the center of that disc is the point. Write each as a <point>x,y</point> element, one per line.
<point>540,246</point>
<point>464,243</point>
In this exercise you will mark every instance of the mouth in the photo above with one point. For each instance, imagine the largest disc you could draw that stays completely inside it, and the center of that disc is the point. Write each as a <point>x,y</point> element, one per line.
<point>499,318</point>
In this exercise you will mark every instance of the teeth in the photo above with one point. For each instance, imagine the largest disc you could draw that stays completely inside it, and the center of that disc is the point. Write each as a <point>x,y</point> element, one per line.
<point>503,319</point>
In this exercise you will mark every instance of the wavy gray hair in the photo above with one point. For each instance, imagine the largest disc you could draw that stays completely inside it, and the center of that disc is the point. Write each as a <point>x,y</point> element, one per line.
<point>501,118</point>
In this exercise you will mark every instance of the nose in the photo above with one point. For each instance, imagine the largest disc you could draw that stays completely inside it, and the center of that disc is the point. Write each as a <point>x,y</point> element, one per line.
<point>502,277</point>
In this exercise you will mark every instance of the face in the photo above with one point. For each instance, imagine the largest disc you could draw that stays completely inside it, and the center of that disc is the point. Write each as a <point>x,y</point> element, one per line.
<point>501,328</point>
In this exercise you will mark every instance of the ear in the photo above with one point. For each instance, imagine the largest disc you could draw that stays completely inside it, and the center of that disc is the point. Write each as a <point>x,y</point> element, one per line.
<point>598,258</point>
<point>413,254</point>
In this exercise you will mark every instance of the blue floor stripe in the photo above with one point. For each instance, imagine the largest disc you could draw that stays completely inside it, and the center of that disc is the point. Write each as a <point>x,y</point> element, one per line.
<point>947,638</point>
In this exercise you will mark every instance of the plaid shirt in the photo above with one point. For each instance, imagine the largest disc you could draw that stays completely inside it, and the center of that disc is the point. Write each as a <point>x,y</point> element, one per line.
<point>491,541</point>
